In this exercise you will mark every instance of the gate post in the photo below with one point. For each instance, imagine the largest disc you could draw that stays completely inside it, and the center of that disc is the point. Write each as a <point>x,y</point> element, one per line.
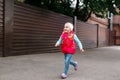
<point>8,27</point>
<point>97,35</point>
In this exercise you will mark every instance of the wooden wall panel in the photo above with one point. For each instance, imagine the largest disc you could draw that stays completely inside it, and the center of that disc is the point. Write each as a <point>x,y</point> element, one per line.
<point>36,30</point>
<point>103,35</point>
<point>117,35</point>
<point>87,33</point>
<point>112,37</point>
<point>1,27</point>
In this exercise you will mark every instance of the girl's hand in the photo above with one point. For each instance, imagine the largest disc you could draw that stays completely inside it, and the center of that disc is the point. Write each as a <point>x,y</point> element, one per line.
<point>56,45</point>
<point>81,50</point>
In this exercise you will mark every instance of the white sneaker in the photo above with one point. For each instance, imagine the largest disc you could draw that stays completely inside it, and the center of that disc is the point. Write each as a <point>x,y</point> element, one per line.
<point>63,76</point>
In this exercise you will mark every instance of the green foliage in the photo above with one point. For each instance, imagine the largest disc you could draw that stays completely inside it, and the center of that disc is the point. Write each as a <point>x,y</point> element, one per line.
<point>98,7</point>
<point>83,11</point>
<point>20,1</point>
<point>117,2</point>
<point>61,6</point>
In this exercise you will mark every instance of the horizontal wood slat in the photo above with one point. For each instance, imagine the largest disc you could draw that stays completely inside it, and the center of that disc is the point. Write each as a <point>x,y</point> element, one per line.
<point>87,33</point>
<point>103,37</point>
<point>36,30</point>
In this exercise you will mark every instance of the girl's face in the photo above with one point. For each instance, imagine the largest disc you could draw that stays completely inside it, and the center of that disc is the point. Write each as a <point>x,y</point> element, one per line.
<point>66,28</point>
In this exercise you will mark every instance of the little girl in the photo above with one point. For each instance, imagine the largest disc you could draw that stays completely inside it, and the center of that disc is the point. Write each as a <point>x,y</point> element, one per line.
<point>68,42</point>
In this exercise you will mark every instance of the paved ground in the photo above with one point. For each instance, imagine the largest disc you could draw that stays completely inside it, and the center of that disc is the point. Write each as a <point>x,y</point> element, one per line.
<point>94,64</point>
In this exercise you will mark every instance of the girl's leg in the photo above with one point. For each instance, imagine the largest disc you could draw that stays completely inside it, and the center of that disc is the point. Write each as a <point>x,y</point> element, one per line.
<point>74,63</point>
<point>67,62</point>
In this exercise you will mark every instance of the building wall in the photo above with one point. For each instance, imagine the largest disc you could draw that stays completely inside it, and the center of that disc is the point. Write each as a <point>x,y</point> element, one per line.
<point>87,34</point>
<point>117,35</point>
<point>103,36</point>
<point>116,27</point>
<point>116,19</point>
<point>99,21</point>
<point>103,31</point>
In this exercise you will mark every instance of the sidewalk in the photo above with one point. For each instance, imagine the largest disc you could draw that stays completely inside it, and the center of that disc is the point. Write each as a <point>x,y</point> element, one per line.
<point>94,64</point>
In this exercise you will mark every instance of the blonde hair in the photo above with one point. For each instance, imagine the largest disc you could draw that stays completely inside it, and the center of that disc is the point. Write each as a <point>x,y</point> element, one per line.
<point>69,24</point>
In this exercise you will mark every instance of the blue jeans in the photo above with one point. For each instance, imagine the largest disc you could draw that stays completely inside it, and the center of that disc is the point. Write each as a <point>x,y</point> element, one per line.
<point>68,60</point>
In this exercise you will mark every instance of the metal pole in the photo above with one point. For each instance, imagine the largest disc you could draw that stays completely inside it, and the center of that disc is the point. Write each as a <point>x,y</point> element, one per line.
<point>75,21</point>
<point>110,17</point>
<point>111,21</point>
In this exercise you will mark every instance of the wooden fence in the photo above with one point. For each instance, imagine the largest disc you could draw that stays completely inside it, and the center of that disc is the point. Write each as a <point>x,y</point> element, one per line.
<point>1,27</point>
<point>30,30</point>
<point>87,33</point>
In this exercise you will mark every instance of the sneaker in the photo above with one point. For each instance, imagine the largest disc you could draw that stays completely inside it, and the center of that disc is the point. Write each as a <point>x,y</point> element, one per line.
<point>76,67</point>
<point>63,76</point>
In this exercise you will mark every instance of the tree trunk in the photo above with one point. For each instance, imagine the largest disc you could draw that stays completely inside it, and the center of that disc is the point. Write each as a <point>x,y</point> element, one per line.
<point>76,8</point>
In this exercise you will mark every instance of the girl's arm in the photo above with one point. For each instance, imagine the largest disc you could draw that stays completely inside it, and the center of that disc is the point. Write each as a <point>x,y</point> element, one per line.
<point>78,43</point>
<point>58,42</point>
